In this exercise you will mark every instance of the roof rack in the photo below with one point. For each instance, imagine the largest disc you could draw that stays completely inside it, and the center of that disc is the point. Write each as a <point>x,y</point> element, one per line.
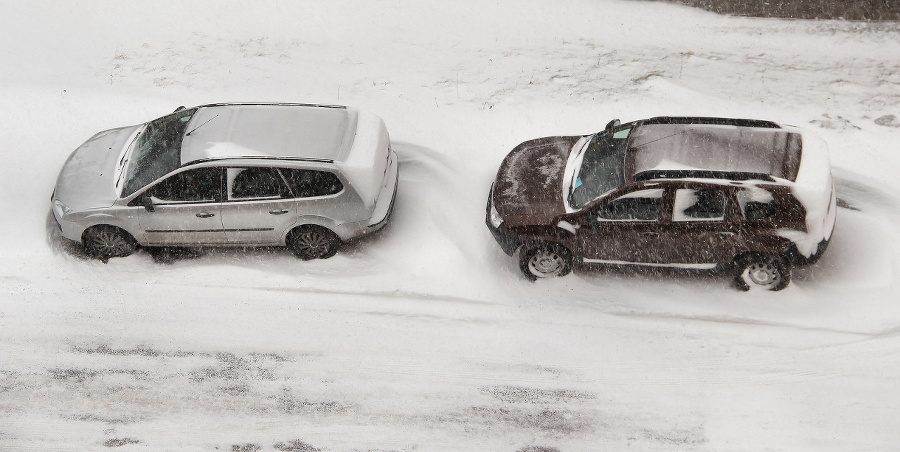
<point>285,104</point>
<point>700,174</point>
<point>690,120</point>
<point>257,157</point>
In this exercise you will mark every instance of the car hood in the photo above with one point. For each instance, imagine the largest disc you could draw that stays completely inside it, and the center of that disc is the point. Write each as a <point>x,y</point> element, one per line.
<point>529,185</point>
<point>88,178</point>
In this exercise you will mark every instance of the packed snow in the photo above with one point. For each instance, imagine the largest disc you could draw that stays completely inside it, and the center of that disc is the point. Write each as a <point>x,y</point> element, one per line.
<point>425,336</point>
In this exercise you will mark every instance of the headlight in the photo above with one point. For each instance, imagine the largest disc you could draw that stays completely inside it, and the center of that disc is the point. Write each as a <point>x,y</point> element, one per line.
<point>496,219</point>
<point>60,209</point>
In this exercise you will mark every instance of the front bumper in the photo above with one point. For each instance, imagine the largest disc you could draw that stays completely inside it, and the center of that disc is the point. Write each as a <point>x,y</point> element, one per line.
<point>508,243</point>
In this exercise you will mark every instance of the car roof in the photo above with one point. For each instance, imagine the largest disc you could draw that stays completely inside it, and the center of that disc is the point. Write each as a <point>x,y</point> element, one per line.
<point>720,145</point>
<point>282,131</point>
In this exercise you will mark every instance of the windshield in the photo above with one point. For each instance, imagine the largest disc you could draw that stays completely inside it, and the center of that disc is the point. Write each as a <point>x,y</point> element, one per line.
<point>156,151</point>
<point>602,168</point>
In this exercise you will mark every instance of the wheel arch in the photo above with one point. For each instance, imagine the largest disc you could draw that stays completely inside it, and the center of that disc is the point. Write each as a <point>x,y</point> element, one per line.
<point>105,219</point>
<point>781,260</point>
<point>311,220</point>
<point>528,249</point>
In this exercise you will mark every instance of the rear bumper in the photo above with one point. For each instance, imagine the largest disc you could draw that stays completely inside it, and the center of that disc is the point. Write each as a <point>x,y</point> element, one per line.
<point>384,206</point>
<point>508,243</point>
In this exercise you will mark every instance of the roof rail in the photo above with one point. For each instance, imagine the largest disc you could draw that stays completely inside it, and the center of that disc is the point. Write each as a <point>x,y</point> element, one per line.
<point>690,120</point>
<point>257,157</point>
<point>285,104</point>
<point>700,174</point>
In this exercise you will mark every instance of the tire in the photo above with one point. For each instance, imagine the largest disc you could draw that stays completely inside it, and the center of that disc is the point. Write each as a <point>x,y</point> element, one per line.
<point>545,260</point>
<point>762,272</point>
<point>313,242</point>
<point>106,241</point>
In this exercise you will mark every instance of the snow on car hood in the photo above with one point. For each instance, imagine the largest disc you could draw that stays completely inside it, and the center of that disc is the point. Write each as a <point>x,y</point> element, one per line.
<point>529,184</point>
<point>88,178</point>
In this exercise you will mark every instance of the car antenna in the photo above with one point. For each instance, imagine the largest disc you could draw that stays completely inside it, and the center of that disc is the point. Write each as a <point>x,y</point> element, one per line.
<point>201,125</point>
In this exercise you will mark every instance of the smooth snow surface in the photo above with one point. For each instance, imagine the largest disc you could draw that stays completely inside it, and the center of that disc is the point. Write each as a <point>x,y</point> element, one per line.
<point>425,337</point>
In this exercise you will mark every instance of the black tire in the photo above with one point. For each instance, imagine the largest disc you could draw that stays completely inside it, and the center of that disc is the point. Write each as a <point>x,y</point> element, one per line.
<point>762,272</point>
<point>313,242</point>
<point>105,241</point>
<point>545,260</point>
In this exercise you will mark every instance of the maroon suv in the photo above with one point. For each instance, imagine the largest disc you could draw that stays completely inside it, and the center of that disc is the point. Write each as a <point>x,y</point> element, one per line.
<point>684,192</point>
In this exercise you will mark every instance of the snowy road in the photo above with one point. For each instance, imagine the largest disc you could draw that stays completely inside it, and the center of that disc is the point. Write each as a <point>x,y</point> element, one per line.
<point>425,337</point>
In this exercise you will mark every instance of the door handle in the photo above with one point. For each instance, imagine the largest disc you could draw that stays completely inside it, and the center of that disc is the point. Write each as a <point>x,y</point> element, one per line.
<point>279,211</point>
<point>725,234</point>
<point>205,214</point>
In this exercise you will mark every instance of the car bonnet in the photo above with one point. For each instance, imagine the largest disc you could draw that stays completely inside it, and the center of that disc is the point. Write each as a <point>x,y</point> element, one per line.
<point>88,178</point>
<point>529,184</point>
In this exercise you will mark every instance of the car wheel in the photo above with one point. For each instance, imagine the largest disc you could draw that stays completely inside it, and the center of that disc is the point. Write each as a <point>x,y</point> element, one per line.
<point>763,272</point>
<point>313,242</point>
<point>545,260</point>
<point>106,241</point>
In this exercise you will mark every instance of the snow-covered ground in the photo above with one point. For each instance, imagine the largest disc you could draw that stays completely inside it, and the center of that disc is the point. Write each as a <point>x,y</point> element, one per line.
<point>425,337</point>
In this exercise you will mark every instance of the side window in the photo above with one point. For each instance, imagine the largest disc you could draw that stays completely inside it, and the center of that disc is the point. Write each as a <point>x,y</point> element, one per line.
<point>757,203</point>
<point>622,134</point>
<point>254,183</point>
<point>641,205</point>
<point>197,185</point>
<point>309,183</point>
<point>705,204</point>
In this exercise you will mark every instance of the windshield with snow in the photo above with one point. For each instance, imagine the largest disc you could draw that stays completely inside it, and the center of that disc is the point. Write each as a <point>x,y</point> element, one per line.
<point>602,168</point>
<point>156,151</point>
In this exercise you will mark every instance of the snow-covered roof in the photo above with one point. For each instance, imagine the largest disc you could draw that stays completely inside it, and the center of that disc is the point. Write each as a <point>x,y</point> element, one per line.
<point>276,130</point>
<point>772,151</point>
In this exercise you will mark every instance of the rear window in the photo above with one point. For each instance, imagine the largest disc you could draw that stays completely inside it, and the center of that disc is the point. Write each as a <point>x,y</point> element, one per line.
<point>308,183</point>
<point>757,203</point>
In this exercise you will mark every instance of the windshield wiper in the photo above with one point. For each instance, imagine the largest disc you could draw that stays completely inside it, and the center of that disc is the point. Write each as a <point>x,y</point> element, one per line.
<point>201,125</point>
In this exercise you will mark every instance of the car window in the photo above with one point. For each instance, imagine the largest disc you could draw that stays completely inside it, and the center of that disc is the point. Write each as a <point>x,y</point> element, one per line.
<point>255,183</point>
<point>641,205</point>
<point>309,183</point>
<point>197,185</point>
<point>156,151</point>
<point>705,204</point>
<point>757,203</point>
<point>602,168</point>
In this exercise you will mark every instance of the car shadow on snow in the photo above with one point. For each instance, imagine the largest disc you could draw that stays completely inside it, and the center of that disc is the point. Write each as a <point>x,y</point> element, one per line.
<point>638,274</point>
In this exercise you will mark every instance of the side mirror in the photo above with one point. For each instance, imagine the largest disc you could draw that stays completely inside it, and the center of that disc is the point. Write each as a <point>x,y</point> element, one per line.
<point>611,125</point>
<point>147,201</point>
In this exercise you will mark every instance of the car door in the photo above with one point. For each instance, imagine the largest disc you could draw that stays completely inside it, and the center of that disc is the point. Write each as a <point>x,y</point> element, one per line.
<point>624,229</point>
<point>701,231</point>
<point>259,206</point>
<point>184,209</point>
<point>321,194</point>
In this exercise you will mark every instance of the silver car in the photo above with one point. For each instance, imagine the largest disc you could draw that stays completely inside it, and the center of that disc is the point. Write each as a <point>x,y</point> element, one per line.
<point>304,176</point>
